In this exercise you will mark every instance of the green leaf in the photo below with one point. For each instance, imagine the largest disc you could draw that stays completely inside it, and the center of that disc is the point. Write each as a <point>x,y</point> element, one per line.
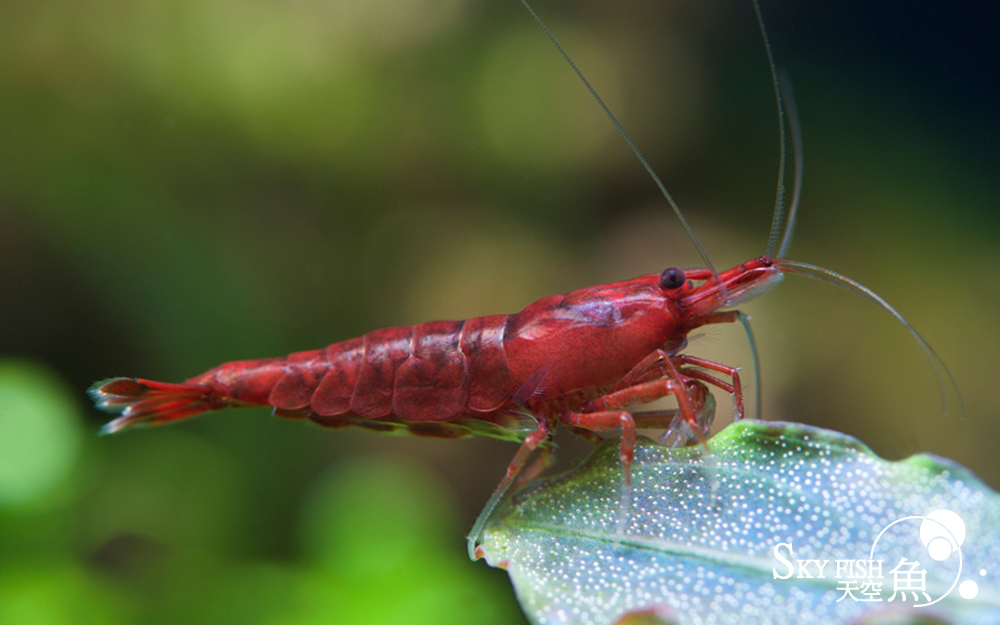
<point>698,543</point>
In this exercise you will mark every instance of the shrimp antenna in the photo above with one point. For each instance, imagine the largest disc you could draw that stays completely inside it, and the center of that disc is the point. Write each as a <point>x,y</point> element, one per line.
<point>635,148</point>
<point>779,200</point>
<point>795,127</point>
<point>941,370</point>
<point>745,322</point>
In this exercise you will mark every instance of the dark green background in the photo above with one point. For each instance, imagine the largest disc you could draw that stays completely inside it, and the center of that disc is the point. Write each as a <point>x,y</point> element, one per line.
<point>185,182</point>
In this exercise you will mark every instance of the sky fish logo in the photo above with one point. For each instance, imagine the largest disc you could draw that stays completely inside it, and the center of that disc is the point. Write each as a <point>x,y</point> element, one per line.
<point>912,561</point>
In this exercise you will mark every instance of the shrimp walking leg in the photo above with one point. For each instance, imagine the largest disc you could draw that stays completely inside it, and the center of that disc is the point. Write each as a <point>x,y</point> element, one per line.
<point>607,413</point>
<point>530,444</point>
<point>657,365</point>
<point>609,421</point>
<point>735,389</point>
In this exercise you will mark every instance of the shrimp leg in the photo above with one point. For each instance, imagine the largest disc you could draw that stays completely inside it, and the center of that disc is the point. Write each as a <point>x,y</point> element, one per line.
<point>530,444</point>
<point>735,388</point>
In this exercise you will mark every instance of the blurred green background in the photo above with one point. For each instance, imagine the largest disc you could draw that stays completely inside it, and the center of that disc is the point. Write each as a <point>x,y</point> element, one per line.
<point>186,182</point>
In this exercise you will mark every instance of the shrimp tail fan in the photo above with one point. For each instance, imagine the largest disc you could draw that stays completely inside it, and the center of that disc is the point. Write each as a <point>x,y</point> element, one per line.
<point>148,403</point>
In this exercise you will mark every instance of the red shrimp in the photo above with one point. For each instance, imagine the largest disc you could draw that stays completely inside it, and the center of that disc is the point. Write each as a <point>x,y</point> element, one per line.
<point>578,359</point>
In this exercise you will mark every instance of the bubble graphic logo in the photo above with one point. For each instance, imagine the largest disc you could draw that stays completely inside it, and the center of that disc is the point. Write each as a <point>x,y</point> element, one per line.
<point>941,533</point>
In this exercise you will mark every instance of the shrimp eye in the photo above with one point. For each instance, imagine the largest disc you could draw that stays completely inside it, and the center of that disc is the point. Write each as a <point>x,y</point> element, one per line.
<point>672,278</point>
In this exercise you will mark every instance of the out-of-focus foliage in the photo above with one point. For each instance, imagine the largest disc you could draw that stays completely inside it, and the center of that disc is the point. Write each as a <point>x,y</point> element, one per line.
<point>185,182</point>
<point>39,434</point>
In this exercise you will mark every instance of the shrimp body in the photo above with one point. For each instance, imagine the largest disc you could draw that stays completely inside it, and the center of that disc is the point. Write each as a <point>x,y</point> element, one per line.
<point>576,359</point>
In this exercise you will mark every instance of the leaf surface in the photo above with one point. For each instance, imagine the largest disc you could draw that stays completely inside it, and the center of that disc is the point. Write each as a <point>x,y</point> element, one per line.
<point>698,544</point>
